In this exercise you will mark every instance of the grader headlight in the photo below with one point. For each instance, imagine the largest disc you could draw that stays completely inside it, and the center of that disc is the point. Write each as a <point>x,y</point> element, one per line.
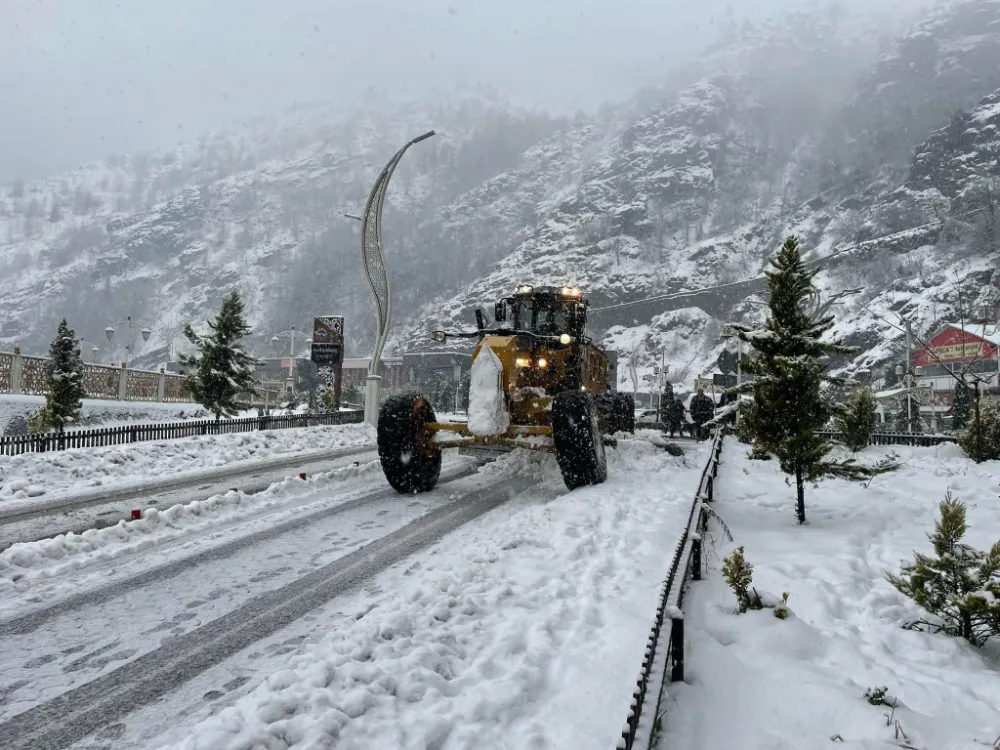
<point>565,339</point>
<point>522,362</point>
<point>542,363</point>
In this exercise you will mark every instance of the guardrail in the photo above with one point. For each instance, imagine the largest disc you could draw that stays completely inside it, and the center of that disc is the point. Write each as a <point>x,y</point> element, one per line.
<point>898,438</point>
<point>665,651</point>
<point>99,437</point>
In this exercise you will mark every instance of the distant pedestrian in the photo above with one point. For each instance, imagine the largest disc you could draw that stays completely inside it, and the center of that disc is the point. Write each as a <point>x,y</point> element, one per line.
<point>675,417</point>
<point>702,410</point>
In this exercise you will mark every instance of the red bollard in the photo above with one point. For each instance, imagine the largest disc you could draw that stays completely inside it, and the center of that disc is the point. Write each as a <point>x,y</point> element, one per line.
<point>136,514</point>
<point>235,489</point>
<point>357,463</point>
<point>302,475</point>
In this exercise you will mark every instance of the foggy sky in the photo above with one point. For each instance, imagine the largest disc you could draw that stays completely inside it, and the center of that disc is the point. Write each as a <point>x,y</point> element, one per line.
<point>80,79</point>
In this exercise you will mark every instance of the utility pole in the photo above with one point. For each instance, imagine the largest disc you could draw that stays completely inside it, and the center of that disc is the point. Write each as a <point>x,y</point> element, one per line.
<point>909,376</point>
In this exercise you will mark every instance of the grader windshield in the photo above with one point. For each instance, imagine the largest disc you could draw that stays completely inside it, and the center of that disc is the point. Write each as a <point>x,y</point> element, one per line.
<point>548,313</point>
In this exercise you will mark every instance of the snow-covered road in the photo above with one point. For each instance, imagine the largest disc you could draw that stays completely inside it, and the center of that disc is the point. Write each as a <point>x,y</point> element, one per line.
<point>30,480</point>
<point>96,510</point>
<point>549,590</point>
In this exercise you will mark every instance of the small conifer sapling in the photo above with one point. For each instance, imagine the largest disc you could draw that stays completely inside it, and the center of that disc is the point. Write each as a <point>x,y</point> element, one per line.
<point>959,584</point>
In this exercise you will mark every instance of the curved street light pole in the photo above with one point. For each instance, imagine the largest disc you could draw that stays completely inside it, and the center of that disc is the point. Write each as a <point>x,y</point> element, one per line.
<point>378,276</point>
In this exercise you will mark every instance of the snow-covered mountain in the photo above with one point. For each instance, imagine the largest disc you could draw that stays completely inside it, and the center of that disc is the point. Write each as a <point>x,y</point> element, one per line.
<point>876,145</point>
<point>699,190</point>
<point>162,237</point>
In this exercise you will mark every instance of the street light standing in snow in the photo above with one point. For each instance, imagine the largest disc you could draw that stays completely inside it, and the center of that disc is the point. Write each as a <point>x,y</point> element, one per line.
<point>291,334</point>
<point>378,276</point>
<point>131,323</point>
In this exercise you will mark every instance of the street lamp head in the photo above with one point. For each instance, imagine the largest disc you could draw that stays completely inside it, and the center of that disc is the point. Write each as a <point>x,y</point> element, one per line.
<point>275,340</point>
<point>145,332</point>
<point>109,332</point>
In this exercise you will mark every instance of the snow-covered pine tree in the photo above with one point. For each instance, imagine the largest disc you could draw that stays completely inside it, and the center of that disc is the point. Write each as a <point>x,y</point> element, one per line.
<point>961,407</point>
<point>223,371</point>
<point>961,585</point>
<point>981,438</point>
<point>63,379</point>
<point>857,421</point>
<point>788,405</point>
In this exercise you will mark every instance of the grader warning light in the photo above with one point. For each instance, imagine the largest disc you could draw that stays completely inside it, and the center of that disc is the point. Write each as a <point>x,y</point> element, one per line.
<point>538,382</point>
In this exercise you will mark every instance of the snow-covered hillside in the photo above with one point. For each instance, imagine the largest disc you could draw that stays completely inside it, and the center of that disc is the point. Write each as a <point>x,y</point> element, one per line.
<point>699,190</point>
<point>163,237</point>
<point>828,123</point>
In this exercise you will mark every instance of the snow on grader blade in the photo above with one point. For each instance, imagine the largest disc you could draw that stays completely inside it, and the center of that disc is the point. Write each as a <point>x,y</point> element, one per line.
<point>538,382</point>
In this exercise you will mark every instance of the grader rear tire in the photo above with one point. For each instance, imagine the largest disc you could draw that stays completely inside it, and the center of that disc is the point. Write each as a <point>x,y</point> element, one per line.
<point>410,459</point>
<point>578,442</point>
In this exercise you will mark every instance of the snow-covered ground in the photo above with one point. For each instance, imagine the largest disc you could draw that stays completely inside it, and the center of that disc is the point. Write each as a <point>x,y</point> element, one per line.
<point>521,629</point>
<point>26,477</point>
<point>105,413</point>
<point>33,572</point>
<point>756,682</point>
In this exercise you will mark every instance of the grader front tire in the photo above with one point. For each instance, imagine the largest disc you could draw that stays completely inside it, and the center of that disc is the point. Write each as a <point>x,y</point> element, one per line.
<point>578,441</point>
<point>410,459</point>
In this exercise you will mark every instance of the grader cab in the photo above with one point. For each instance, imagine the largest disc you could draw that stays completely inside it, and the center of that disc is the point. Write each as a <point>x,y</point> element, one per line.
<point>538,382</point>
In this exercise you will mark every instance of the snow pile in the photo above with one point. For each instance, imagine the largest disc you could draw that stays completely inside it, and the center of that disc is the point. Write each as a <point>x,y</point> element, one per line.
<point>22,563</point>
<point>521,630</point>
<point>488,413</point>
<point>32,474</point>
<point>799,682</point>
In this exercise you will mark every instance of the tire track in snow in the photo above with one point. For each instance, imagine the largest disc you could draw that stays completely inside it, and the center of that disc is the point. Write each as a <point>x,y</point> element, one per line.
<point>33,620</point>
<point>72,716</point>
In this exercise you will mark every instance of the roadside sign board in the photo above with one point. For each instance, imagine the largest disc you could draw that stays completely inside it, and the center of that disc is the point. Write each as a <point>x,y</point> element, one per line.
<point>328,349</point>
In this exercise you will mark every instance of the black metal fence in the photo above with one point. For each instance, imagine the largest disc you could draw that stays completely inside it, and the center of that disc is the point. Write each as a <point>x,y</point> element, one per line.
<point>665,651</point>
<point>899,438</point>
<point>54,441</point>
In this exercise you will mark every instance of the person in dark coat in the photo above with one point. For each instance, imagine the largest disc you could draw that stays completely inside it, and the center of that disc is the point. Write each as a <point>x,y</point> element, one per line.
<point>702,410</point>
<point>675,417</point>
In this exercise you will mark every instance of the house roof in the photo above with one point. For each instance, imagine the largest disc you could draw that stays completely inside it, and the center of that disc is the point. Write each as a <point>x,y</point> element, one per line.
<point>989,333</point>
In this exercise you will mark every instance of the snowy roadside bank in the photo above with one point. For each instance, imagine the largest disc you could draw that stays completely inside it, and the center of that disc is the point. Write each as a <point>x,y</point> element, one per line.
<point>27,477</point>
<point>103,412</point>
<point>522,630</point>
<point>801,682</point>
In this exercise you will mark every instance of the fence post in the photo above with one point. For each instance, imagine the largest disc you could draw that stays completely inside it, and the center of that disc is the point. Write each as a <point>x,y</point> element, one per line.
<point>677,649</point>
<point>161,386</point>
<point>696,557</point>
<point>16,365</point>
<point>123,383</point>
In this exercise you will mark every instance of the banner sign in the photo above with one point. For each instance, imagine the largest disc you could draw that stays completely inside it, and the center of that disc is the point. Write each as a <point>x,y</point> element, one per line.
<point>958,351</point>
<point>328,340</point>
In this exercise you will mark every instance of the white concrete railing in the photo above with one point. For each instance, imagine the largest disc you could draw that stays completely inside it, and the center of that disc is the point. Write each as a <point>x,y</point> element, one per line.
<point>23,374</point>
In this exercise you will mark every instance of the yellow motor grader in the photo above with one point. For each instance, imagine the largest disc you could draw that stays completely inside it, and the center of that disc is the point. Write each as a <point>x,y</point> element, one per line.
<point>537,382</point>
